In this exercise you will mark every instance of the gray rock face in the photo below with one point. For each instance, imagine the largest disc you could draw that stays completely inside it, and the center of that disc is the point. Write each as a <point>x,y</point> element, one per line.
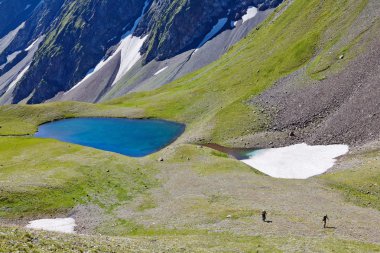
<point>78,34</point>
<point>183,24</point>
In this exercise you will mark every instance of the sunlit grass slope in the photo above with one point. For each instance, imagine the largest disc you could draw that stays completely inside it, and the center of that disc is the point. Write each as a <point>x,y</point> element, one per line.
<point>361,182</point>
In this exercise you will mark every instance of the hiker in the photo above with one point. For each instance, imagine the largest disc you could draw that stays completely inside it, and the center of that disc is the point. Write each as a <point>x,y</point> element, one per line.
<point>264,215</point>
<point>325,218</point>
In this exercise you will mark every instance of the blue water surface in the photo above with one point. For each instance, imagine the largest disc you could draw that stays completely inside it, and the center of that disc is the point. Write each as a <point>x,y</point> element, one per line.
<point>136,138</point>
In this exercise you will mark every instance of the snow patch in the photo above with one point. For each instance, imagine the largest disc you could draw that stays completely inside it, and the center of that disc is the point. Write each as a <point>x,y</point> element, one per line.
<point>32,45</point>
<point>12,56</point>
<point>160,71</point>
<point>299,161</point>
<point>128,59</point>
<point>130,54</point>
<point>251,13</point>
<point>63,225</point>
<point>18,78</point>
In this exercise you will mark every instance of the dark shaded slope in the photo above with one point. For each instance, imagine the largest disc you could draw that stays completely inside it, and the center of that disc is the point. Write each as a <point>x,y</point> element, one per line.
<point>34,27</point>
<point>79,40</point>
<point>98,87</point>
<point>177,26</point>
<point>84,31</point>
<point>13,13</point>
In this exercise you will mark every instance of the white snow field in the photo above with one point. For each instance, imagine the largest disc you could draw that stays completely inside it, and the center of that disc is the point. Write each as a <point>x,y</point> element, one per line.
<point>18,78</point>
<point>130,53</point>
<point>251,13</point>
<point>299,161</point>
<point>63,225</point>
<point>160,71</point>
<point>33,43</point>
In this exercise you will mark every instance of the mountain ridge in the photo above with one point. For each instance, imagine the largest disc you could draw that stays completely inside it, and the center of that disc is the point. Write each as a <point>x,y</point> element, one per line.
<point>68,30</point>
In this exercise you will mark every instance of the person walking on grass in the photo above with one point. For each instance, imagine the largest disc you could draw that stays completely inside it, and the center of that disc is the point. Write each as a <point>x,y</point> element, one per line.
<point>264,216</point>
<point>325,219</point>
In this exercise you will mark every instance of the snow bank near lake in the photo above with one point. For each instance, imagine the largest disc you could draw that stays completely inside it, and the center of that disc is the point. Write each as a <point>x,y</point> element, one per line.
<point>63,225</point>
<point>299,161</point>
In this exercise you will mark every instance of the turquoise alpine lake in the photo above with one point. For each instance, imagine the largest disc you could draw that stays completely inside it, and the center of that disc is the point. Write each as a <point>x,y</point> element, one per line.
<point>130,137</point>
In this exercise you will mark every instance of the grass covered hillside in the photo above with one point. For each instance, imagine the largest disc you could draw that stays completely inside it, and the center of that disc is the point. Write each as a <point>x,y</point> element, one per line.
<point>214,100</point>
<point>196,199</point>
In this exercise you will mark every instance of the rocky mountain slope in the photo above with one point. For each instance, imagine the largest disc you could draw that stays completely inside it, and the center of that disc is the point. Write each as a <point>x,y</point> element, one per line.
<point>78,39</point>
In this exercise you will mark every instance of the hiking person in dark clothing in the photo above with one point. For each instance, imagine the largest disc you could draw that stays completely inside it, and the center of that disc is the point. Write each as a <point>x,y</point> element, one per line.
<point>264,216</point>
<point>325,219</point>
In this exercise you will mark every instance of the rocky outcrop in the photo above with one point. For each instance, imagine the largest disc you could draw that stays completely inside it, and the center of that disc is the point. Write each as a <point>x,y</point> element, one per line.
<point>176,26</point>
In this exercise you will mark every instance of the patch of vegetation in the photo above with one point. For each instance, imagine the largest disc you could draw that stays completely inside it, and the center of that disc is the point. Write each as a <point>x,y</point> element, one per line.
<point>219,154</point>
<point>24,119</point>
<point>45,177</point>
<point>203,241</point>
<point>147,203</point>
<point>20,240</point>
<point>360,184</point>
<point>336,44</point>
<point>206,161</point>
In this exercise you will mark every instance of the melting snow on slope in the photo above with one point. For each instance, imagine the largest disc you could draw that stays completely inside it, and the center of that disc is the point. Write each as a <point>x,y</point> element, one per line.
<point>12,56</point>
<point>130,54</point>
<point>295,162</point>
<point>128,59</point>
<point>32,45</point>
<point>63,225</point>
<point>160,71</point>
<point>251,13</point>
<point>215,30</point>
<point>18,78</point>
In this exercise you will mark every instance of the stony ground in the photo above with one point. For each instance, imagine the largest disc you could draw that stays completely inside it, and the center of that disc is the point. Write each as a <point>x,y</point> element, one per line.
<point>334,106</point>
<point>231,201</point>
<point>203,203</point>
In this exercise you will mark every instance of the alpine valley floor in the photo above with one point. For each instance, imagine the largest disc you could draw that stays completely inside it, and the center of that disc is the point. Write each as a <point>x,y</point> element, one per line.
<point>189,198</point>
